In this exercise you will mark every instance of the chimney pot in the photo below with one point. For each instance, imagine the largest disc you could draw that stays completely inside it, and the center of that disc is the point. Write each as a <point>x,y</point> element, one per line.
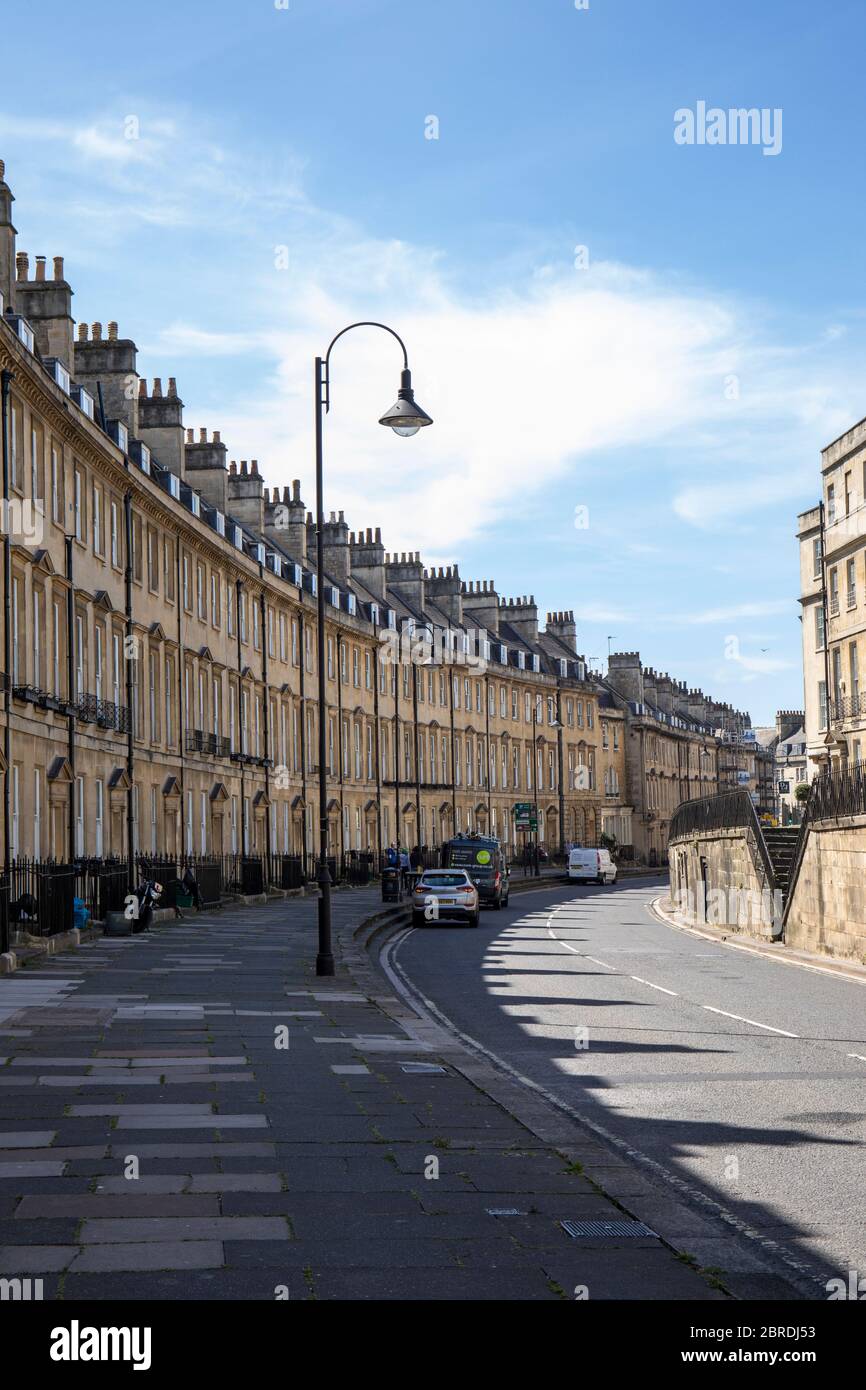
<point>96,332</point>
<point>233,468</point>
<point>22,265</point>
<point>40,267</point>
<point>82,333</point>
<point>216,437</point>
<point>172,384</point>
<point>202,436</point>
<point>58,266</point>
<point>112,331</point>
<point>157,386</point>
<point>254,467</point>
<point>190,435</point>
<point>142,387</point>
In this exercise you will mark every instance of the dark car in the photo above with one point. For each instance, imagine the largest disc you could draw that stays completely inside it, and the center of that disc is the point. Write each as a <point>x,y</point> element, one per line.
<point>483,858</point>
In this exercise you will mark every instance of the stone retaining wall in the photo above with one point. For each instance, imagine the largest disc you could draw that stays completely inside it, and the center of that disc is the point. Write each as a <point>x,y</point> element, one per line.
<point>731,891</point>
<point>827,912</point>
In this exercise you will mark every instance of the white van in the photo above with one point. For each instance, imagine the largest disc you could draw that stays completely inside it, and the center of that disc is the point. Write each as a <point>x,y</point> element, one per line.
<point>591,866</point>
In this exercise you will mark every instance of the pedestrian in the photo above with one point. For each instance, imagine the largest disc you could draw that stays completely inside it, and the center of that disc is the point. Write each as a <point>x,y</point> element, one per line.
<point>404,867</point>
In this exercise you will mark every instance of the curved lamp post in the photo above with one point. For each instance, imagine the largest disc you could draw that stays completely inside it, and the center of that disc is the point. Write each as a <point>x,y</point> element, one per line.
<point>405,418</point>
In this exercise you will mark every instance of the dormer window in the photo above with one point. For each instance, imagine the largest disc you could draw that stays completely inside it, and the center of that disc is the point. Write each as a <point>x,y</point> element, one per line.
<point>121,436</point>
<point>219,522</point>
<point>297,577</point>
<point>58,374</point>
<point>392,618</point>
<point>334,597</point>
<point>521,661</point>
<point>173,485</point>
<point>84,401</point>
<point>195,504</point>
<point>260,551</point>
<point>237,537</point>
<point>142,456</point>
<point>352,604</point>
<point>374,614</point>
<point>25,332</point>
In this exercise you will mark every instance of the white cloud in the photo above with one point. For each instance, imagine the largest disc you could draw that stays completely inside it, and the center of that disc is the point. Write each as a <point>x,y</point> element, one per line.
<point>762,608</point>
<point>534,389</point>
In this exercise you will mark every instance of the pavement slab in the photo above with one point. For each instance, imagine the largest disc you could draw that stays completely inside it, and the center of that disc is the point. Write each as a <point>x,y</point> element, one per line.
<point>180,1152</point>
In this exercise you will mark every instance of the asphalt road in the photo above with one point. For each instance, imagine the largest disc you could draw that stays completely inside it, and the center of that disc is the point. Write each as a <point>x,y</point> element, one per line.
<point>733,1072</point>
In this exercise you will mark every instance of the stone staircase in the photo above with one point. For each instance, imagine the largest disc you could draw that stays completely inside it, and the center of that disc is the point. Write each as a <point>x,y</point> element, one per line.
<point>781,844</point>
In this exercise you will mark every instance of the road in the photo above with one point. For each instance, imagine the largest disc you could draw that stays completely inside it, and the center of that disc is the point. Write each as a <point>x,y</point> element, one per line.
<point>742,1076</point>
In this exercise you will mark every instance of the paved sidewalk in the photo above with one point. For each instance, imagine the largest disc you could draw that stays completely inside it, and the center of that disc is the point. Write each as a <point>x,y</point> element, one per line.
<point>266,1171</point>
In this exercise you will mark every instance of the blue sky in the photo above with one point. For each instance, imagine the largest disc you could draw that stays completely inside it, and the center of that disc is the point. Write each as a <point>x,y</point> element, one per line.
<point>677,384</point>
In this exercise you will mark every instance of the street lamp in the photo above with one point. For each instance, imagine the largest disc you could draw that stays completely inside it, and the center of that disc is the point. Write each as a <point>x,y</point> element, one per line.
<point>535,736</point>
<point>405,418</point>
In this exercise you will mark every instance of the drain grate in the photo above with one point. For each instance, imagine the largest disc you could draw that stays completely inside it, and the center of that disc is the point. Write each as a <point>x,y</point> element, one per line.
<point>421,1068</point>
<point>610,1230</point>
<point>505,1211</point>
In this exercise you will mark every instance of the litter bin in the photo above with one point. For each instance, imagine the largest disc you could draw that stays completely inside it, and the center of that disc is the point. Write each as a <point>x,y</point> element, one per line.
<point>391,886</point>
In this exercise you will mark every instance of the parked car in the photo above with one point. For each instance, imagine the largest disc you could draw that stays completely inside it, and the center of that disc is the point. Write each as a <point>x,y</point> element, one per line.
<point>483,858</point>
<point>443,895</point>
<point>591,866</point>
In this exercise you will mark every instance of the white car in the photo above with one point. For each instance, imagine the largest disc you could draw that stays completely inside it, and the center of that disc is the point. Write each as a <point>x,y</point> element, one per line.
<point>591,866</point>
<point>441,894</point>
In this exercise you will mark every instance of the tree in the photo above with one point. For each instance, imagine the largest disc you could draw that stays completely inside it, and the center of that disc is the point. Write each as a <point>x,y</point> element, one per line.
<point>801,791</point>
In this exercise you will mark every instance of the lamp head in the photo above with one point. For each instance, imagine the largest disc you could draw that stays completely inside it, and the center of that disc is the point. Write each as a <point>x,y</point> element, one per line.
<point>405,417</point>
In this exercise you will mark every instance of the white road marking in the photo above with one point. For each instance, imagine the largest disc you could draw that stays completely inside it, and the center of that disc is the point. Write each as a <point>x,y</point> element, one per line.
<point>857,1055</point>
<point>752,1021</point>
<point>650,985</point>
<point>430,1012</point>
<point>656,912</point>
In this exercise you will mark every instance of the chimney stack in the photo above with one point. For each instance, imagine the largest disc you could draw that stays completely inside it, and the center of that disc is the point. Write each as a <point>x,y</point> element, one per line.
<point>204,467</point>
<point>7,242</point>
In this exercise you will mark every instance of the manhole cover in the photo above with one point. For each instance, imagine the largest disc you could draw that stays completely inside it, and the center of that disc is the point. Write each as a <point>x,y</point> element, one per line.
<point>421,1068</point>
<point>610,1230</point>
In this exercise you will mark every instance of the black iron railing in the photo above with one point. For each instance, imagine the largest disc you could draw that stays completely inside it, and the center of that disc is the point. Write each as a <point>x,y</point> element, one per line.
<point>838,792</point>
<point>102,884</point>
<point>199,741</point>
<point>848,707</point>
<point>40,896</point>
<point>94,710</point>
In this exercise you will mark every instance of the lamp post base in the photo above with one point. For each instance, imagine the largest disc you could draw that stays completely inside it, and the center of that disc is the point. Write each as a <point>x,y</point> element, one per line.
<point>325,956</point>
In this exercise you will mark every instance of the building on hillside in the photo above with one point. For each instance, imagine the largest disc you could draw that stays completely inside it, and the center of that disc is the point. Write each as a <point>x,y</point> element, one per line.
<point>680,745</point>
<point>832,538</point>
<point>786,741</point>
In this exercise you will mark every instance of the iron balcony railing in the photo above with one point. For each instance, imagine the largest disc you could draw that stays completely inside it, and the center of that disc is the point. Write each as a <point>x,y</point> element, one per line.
<point>849,707</point>
<point>91,709</point>
<point>199,741</point>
